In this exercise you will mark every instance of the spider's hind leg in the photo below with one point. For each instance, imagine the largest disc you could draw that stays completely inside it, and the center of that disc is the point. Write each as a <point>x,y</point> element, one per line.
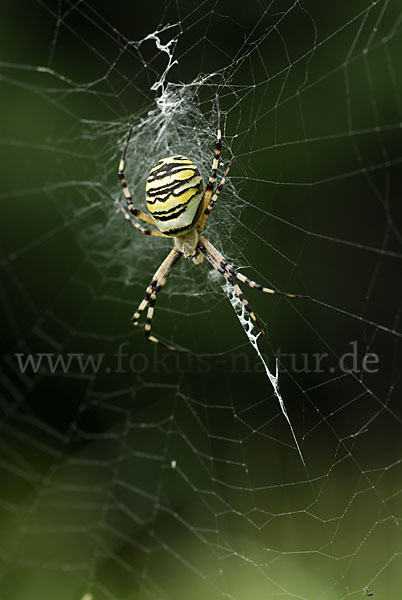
<point>129,199</point>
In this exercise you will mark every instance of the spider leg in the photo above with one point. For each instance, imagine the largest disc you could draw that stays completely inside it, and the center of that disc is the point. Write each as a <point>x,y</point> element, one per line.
<point>130,205</point>
<point>215,162</point>
<point>222,262</point>
<point>208,209</point>
<point>158,281</point>
<point>238,291</point>
<point>139,227</point>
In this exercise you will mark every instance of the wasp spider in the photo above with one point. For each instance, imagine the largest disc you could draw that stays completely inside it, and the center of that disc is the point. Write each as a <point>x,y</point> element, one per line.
<point>179,208</point>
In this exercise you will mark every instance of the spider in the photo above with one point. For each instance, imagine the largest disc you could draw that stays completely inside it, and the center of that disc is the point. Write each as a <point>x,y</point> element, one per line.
<point>180,208</point>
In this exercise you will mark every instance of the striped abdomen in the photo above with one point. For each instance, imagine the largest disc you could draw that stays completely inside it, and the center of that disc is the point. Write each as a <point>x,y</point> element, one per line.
<point>174,193</point>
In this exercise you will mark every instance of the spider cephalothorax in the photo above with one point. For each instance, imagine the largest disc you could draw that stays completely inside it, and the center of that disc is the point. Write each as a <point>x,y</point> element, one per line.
<point>180,208</point>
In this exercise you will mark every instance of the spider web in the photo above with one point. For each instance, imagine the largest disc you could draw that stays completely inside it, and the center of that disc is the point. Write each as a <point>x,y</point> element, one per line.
<point>130,472</point>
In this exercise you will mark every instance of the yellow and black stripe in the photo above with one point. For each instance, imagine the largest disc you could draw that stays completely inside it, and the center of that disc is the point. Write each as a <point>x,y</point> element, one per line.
<point>174,193</point>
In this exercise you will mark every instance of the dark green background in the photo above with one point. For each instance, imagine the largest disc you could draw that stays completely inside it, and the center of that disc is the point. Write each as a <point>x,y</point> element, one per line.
<point>89,501</point>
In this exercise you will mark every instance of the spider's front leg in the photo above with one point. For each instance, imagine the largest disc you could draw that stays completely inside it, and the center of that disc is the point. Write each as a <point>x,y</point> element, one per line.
<point>222,263</point>
<point>157,283</point>
<point>219,266</point>
<point>229,273</point>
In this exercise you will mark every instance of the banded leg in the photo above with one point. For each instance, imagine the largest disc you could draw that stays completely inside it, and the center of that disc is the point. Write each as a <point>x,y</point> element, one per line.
<point>214,198</point>
<point>162,271</point>
<point>238,291</point>
<point>139,227</point>
<point>215,162</point>
<point>222,262</point>
<point>158,281</point>
<point>130,205</point>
